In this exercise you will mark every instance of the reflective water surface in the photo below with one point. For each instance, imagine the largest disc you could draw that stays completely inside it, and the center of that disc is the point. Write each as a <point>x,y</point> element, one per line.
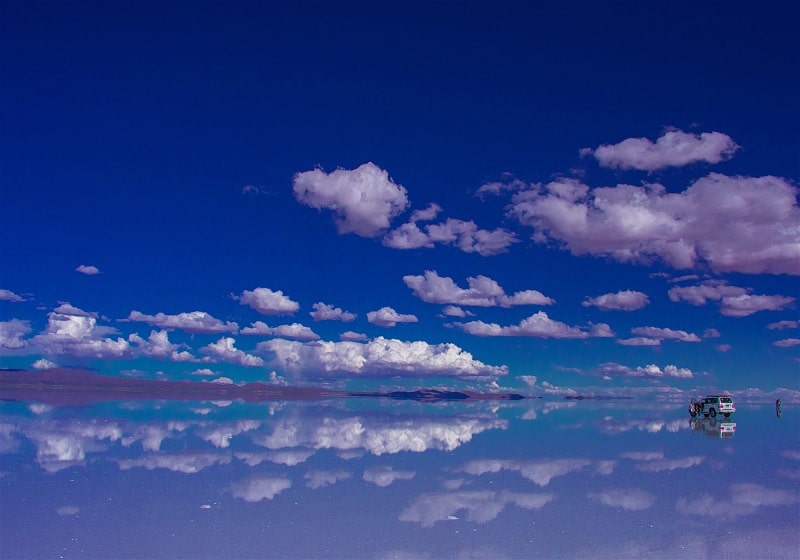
<point>360,478</point>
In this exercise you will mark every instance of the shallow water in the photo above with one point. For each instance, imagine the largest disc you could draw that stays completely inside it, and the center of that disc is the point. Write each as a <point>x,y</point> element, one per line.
<point>359,478</point>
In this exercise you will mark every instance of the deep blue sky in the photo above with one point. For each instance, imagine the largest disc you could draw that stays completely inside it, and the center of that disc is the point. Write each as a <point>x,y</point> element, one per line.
<point>161,144</point>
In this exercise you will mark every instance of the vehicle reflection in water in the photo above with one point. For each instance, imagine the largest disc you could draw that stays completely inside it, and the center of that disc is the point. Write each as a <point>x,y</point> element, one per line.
<point>710,426</point>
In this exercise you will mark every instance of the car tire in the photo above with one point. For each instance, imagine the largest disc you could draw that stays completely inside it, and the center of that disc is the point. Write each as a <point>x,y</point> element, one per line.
<point>712,412</point>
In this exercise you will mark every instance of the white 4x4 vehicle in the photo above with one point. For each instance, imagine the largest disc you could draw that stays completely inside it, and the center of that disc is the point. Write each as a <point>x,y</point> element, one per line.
<point>713,405</point>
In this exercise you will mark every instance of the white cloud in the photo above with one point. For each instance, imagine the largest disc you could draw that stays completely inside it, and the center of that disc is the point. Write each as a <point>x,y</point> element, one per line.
<point>455,311</point>
<point>204,372</point>
<point>665,334</point>
<point>295,331</point>
<point>481,506</point>
<point>744,305</point>
<point>195,322</point>
<point>75,332</point>
<point>186,463</point>
<point>319,479</point>
<point>661,465</point>
<point>288,457</point>
<point>268,302</point>
<point>384,476</point>
<point>8,295</point>
<point>364,200</point>
<point>42,363</point>
<point>741,499</point>
<point>158,346</point>
<point>482,292</point>
<point>787,342</point>
<point>378,358</point>
<point>625,300</point>
<point>324,312</point>
<point>631,499</point>
<point>12,334</point>
<point>376,435</point>
<point>224,350</point>
<point>639,341</point>
<point>465,235</point>
<point>89,270</point>
<point>388,317</point>
<point>673,149</point>
<point>780,325</point>
<point>539,472</point>
<point>611,369</point>
<point>260,488</point>
<point>353,336</point>
<point>734,301</point>
<point>538,325</point>
<point>731,224</point>
<point>219,435</point>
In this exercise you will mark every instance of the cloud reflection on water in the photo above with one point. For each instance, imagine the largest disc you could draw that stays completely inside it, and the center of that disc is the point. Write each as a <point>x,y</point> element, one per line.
<point>423,467</point>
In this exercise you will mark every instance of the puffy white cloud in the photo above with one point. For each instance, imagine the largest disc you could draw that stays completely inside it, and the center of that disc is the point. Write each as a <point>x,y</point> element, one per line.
<point>388,317</point>
<point>611,369</point>
<point>260,488</point>
<point>787,342</point>
<point>195,322</point>
<point>380,357</point>
<point>673,149</point>
<point>639,341</point>
<point>42,363</point>
<point>204,372</point>
<point>319,479</point>
<point>12,333</point>
<point>75,332</point>
<point>8,295</point>
<point>364,199</point>
<point>219,435</point>
<point>734,301</point>
<point>384,476</point>
<point>539,472</point>
<point>625,300</point>
<point>158,346</point>
<point>482,291</point>
<point>538,325</point>
<point>376,435</point>
<point>780,325</point>
<point>745,304</point>
<point>295,331</point>
<point>353,336</point>
<point>481,506</point>
<point>465,235</point>
<point>288,457</point>
<point>88,269</point>
<point>66,443</point>
<point>631,499</point>
<point>731,224</point>
<point>268,302</point>
<point>455,311</point>
<point>224,350</point>
<point>665,334</point>
<point>324,312</point>
<point>186,463</point>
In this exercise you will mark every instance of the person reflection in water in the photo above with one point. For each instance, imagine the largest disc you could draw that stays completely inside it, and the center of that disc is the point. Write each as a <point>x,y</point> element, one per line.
<point>778,408</point>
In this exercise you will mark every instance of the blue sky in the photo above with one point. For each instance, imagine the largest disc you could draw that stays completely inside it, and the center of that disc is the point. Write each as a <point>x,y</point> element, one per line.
<point>409,193</point>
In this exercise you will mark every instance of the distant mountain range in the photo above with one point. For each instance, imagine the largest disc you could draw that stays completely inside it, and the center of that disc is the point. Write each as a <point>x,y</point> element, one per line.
<point>70,387</point>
